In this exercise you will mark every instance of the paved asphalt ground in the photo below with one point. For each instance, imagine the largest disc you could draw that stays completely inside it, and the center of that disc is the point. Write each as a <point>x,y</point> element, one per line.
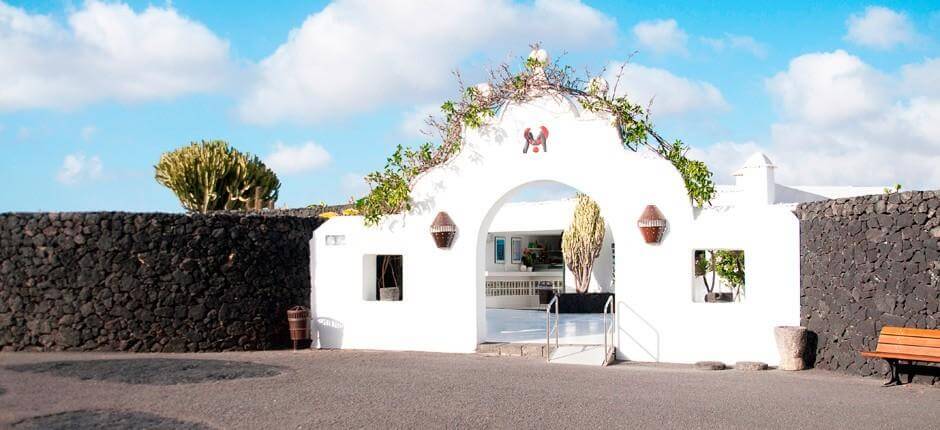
<point>364,389</point>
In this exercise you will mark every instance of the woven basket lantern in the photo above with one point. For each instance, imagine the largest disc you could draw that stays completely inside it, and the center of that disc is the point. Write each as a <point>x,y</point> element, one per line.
<point>652,224</point>
<point>443,230</point>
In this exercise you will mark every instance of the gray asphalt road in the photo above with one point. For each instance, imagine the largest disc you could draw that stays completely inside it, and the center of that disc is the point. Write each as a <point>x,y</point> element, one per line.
<point>345,389</point>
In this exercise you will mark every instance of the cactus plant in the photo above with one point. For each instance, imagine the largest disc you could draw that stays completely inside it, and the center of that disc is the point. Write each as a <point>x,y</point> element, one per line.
<point>211,175</point>
<point>582,241</point>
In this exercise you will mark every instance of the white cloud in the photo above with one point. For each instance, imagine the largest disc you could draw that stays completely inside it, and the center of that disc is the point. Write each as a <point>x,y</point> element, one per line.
<point>88,132</point>
<point>737,42</point>
<point>286,160</point>
<point>923,78</point>
<point>77,168</point>
<point>107,51</point>
<point>880,28</point>
<point>354,185</point>
<point>828,87</point>
<point>661,36</point>
<point>414,122</point>
<point>357,55</point>
<point>846,123</point>
<point>724,158</point>
<point>672,95</point>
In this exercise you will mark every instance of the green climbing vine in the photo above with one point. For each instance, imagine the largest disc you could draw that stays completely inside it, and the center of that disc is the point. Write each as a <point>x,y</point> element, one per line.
<point>391,187</point>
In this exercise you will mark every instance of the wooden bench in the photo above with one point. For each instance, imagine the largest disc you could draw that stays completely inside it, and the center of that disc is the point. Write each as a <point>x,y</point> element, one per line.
<point>898,344</point>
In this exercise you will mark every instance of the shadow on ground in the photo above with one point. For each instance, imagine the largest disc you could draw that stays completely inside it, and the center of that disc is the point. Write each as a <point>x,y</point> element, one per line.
<point>152,371</point>
<point>99,419</point>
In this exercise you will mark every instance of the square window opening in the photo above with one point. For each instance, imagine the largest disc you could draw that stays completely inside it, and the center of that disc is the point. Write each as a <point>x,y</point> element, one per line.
<point>719,276</point>
<point>383,278</point>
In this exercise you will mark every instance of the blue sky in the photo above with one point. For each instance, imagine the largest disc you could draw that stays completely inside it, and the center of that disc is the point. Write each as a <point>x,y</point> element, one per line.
<point>91,93</point>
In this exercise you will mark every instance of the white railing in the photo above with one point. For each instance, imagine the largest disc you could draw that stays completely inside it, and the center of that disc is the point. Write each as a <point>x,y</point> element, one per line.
<point>520,288</point>
<point>609,329</point>
<point>549,328</point>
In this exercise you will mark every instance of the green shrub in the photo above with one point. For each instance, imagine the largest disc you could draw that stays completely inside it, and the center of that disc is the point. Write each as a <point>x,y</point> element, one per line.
<point>211,175</point>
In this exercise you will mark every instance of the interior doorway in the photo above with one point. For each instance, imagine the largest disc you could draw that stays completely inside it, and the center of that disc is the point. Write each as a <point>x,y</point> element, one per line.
<point>525,268</point>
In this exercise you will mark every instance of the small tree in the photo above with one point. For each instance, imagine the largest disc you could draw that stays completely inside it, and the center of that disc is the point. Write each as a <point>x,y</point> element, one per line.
<point>582,241</point>
<point>211,175</point>
<point>729,265</point>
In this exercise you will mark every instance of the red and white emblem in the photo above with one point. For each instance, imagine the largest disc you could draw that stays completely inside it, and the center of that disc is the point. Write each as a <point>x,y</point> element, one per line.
<point>535,143</point>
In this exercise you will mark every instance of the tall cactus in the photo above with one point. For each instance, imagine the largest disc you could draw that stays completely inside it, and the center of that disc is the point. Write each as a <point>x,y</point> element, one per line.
<point>211,175</point>
<point>582,241</point>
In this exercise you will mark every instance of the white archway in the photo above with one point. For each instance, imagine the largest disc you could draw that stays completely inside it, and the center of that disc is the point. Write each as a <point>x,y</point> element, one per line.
<point>443,297</point>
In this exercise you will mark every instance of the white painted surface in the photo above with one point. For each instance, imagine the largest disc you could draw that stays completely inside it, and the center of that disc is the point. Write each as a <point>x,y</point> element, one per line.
<point>755,184</point>
<point>528,326</point>
<point>443,290</point>
<point>585,355</point>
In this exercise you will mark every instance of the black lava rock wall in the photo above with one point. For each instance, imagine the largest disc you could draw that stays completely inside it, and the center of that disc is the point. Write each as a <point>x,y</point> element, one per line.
<point>151,281</point>
<point>868,262</point>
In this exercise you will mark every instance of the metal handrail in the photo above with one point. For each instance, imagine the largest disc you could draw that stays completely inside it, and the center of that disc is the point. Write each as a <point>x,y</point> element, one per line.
<point>609,328</point>
<point>548,327</point>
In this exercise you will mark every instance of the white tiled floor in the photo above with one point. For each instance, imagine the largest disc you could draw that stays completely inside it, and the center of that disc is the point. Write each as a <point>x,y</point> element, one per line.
<point>525,326</point>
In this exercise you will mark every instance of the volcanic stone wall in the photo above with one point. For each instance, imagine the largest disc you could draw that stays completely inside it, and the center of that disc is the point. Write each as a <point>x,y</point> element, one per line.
<point>868,262</point>
<point>151,281</point>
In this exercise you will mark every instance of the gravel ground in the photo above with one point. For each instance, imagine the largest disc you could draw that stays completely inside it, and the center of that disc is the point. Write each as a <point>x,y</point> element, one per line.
<point>105,420</point>
<point>153,371</point>
<point>355,389</point>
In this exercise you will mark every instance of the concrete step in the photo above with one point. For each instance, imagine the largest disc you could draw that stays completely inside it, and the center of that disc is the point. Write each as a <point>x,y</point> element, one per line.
<point>503,349</point>
<point>589,355</point>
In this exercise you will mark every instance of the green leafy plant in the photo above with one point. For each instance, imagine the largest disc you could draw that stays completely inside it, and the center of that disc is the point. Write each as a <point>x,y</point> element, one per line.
<point>704,261</point>
<point>391,187</point>
<point>528,257</point>
<point>211,175</point>
<point>581,242</point>
<point>729,266</point>
<point>895,189</point>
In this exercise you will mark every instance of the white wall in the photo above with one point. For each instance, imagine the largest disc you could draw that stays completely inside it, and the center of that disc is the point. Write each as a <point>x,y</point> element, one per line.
<point>443,295</point>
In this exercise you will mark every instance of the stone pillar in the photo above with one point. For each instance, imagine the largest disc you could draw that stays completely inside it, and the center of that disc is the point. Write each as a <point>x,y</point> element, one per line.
<point>792,343</point>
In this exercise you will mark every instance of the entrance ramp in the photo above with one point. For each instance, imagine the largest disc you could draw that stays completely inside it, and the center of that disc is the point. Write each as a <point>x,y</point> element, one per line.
<point>591,355</point>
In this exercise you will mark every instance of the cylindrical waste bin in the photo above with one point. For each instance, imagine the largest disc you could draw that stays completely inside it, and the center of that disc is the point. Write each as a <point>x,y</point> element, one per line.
<point>298,319</point>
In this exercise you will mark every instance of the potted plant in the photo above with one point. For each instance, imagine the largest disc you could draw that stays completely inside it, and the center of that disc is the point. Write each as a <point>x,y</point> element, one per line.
<point>528,260</point>
<point>728,267</point>
<point>706,266</point>
<point>581,242</point>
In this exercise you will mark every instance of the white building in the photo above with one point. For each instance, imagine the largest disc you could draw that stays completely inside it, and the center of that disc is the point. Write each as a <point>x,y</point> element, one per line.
<point>660,314</point>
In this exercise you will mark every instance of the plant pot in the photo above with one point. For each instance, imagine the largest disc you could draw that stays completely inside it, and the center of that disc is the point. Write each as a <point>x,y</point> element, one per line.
<point>719,297</point>
<point>390,294</point>
<point>792,344</point>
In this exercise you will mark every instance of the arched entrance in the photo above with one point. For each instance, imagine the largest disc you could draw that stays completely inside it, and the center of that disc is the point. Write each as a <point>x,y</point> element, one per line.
<point>443,297</point>
<point>527,231</point>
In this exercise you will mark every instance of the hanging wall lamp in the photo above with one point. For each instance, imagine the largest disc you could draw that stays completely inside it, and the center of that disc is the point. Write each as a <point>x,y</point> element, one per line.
<point>443,230</point>
<point>652,224</point>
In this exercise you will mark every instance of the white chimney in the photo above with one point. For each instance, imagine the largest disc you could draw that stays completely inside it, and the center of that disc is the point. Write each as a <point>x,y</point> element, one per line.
<point>755,180</point>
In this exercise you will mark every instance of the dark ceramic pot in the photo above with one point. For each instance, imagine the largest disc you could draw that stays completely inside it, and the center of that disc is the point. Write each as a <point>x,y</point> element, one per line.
<point>719,297</point>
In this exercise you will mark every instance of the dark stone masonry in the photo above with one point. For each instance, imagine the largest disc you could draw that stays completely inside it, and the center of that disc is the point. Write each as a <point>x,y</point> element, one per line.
<point>868,262</point>
<point>151,281</point>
